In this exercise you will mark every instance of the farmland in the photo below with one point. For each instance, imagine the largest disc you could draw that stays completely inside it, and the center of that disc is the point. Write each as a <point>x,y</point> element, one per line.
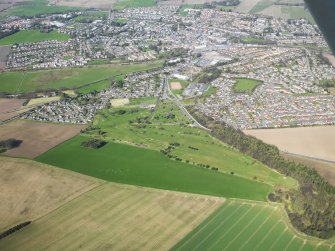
<point>168,125</point>
<point>137,166</point>
<point>116,217</point>
<point>245,226</point>
<point>244,85</point>
<point>37,137</point>
<point>316,142</point>
<point>32,36</point>
<point>8,108</point>
<point>23,82</point>
<point>36,7</point>
<point>31,189</point>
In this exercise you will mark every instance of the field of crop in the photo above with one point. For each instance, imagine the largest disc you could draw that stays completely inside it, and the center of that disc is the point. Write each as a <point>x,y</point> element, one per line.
<point>116,217</point>
<point>245,85</point>
<point>246,226</point>
<point>37,137</point>
<point>137,166</point>
<point>169,125</point>
<point>30,189</point>
<point>316,142</point>
<point>37,101</point>
<point>9,107</point>
<point>24,82</point>
<point>32,36</point>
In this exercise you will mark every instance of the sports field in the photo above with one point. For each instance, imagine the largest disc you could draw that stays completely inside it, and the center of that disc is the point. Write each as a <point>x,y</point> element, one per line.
<point>138,166</point>
<point>32,36</point>
<point>116,217</point>
<point>244,85</point>
<point>169,125</point>
<point>30,189</point>
<point>247,226</point>
<point>23,82</point>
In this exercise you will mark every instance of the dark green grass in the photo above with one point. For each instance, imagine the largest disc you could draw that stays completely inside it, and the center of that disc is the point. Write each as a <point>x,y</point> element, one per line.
<point>32,36</point>
<point>137,166</point>
<point>240,226</point>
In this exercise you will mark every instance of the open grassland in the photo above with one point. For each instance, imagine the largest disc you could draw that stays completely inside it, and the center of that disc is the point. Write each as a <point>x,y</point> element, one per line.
<point>36,7</point>
<point>316,142</point>
<point>246,226</point>
<point>9,107</point>
<point>137,166</point>
<point>116,217</point>
<point>245,85</point>
<point>32,36</point>
<point>37,137</point>
<point>23,82</point>
<point>99,86</point>
<point>122,4</point>
<point>169,125</point>
<point>30,190</point>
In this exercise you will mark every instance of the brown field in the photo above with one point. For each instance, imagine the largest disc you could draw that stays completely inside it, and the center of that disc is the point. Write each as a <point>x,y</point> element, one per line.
<point>8,107</point>
<point>119,102</point>
<point>37,137</point>
<point>324,168</point>
<point>330,58</point>
<point>175,86</point>
<point>315,142</point>
<point>116,217</point>
<point>30,189</point>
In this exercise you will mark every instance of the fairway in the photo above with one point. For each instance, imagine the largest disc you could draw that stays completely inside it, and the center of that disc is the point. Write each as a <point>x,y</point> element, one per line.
<point>32,36</point>
<point>244,85</point>
<point>23,82</point>
<point>137,166</point>
<point>116,217</point>
<point>30,189</point>
<point>246,226</point>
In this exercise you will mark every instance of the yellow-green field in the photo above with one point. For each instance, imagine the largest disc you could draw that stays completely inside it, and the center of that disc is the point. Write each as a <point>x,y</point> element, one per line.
<point>38,101</point>
<point>116,217</point>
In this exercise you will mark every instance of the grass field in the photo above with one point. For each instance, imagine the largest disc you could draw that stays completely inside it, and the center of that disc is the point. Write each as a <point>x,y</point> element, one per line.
<point>246,226</point>
<point>30,189</point>
<point>245,85</point>
<point>99,86</point>
<point>32,36</point>
<point>122,4</point>
<point>183,84</point>
<point>37,101</point>
<point>116,217</point>
<point>36,7</point>
<point>196,145</point>
<point>23,82</point>
<point>137,166</point>
<point>37,137</point>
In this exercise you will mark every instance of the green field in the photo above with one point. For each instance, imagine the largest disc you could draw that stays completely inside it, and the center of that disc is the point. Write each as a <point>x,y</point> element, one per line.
<point>182,10</point>
<point>122,4</point>
<point>99,86</point>
<point>183,84</point>
<point>137,166</point>
<point>244,85</point>
<point>32,36</point>
<point>36,7</point>
<point>29,81</point>
<point>196,145</point>
<point>246,226</point>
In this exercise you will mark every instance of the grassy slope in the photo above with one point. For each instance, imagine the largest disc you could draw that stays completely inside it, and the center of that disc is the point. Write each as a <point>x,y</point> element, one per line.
<point>163,131</point>
<point>132,165</point>
<point>240,226</point>
<point>32,36</point>
<point>65,78</point>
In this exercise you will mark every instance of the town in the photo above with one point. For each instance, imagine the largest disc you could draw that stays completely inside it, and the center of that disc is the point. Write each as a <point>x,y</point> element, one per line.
<point>207,48</point>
